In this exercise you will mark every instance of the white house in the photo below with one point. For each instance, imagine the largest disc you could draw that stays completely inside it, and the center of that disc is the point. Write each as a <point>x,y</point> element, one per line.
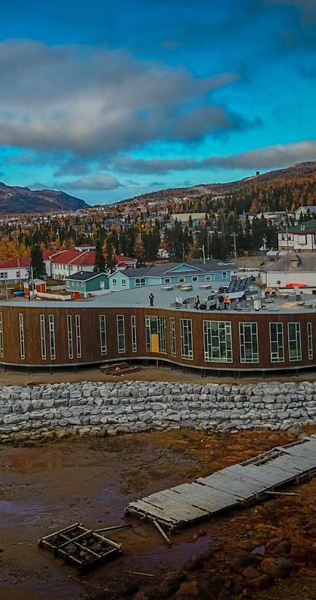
<point>290,270</point>
<point>300,238</point>
<point>14,270</point>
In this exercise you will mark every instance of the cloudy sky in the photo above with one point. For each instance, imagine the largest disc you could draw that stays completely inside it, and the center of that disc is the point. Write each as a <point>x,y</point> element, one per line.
<point>107,100</point>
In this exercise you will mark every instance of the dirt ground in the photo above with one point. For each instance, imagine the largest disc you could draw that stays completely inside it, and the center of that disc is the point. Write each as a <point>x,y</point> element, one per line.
<point>154,373</point>
<point>91,480</point>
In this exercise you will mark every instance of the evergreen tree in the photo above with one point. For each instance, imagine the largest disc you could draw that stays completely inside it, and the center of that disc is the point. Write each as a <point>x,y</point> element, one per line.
<point>99,262</point>
<point>37,262</point>
<point>110,258</point>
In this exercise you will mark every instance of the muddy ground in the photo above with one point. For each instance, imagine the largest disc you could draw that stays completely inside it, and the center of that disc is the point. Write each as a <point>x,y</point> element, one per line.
<point>153,373</point>
<point>91,480</point>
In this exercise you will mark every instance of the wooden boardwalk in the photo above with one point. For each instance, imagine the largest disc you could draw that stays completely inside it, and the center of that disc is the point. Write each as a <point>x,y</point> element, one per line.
<point>247,482</point>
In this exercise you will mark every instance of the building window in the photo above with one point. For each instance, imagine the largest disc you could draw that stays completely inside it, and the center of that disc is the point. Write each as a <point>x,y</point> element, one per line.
<point>248,339</point>
<point>4,275</point>
<point>310,340</point>
<point>43,336</point>
<point>78,335</point>
<point>52,341</point>
<point>1,336</point>
<point>217,341</point>
<point>123,282</point>
<point>22,342</point>
<point>224,274</point>
<point>194,278</point>
<point>173,336</point>
<point>156,334</point>
<point>134,334</point>
<point>140,281</point>
<point>114,282</point>
<point>186,338</point>
<point>103,344</point>
<point>120,334</point>
<point>70,337</point>
<point>181,279</point>
<point>294,335</point>
<point>276,342</point>
<point>167,280</point>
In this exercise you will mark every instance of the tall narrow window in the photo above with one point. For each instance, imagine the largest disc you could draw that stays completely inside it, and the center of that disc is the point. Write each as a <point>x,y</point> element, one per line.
<point>156,334</point>
<point>70,337</point>
<point>310,340</point>
<point>52,341</point>
<point>78,335</point>
<point>276,342</point>
<point>248,339</point>
<point>1,336</point>
<point>103,345</point>
<point>186,338</point>
<point>134,333</point>
<point>173,336</point>
<point>22,342</point>
<point>217,341</point>
<point>120,334</point>
<point>43,336</point>
<point>294,335</point>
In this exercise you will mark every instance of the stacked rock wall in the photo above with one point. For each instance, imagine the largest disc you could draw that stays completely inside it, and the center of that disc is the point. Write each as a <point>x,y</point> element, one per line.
<point>130,407</point>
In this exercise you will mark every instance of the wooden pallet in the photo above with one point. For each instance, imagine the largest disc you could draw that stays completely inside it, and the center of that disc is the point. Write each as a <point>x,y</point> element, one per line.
<point>83,548</point>
<point>232,487</point>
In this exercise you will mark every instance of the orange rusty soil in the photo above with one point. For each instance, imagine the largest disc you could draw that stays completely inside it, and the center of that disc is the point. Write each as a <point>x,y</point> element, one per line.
<point>92,480</point>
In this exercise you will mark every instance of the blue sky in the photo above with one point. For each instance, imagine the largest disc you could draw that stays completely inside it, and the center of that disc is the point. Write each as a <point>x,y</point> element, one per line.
<point>107,100</point>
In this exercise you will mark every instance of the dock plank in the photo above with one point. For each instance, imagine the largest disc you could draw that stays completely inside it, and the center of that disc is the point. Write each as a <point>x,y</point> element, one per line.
<point>188,503</point>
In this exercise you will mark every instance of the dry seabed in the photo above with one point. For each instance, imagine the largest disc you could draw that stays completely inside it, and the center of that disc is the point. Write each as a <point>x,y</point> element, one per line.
<point>96,408</point>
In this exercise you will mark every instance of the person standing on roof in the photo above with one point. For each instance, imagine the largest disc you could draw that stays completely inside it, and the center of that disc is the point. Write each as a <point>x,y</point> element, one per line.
<point>197,302</point>
<point>151,299</point>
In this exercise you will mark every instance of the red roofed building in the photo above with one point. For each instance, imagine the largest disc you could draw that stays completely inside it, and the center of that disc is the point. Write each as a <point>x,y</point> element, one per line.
<point>64,263</point>
<point>14,270</point>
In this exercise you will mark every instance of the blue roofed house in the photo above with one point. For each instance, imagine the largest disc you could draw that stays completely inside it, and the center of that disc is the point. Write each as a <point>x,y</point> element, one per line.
<point>173,273</point>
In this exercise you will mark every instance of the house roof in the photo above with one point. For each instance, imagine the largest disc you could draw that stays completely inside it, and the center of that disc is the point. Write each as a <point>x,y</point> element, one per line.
<point>304,227</point>
<point>166,269</point>
<point>15,263</point>
<point>80,258</point>
<point>84,276</point>
<point>311,209</point>
<point>305,260</point>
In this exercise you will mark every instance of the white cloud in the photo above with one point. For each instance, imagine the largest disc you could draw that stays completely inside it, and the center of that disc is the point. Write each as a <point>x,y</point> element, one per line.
<point>91,101</point>
<point>96,182</point>
<point>280,155</point>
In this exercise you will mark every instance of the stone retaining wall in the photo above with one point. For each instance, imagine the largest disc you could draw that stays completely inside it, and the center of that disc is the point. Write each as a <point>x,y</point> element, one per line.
<point>108,408</point>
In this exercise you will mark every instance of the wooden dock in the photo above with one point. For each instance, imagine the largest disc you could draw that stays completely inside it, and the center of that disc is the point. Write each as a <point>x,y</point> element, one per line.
<point>235,486</point>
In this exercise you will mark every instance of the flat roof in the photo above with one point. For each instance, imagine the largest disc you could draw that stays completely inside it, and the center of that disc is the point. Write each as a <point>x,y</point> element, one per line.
<point>165,297</point>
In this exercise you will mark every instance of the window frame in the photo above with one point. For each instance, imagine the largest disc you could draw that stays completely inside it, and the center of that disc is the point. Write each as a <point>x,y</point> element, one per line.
<point>298,356</point>
<point>186,329</point>
<point>275,355</point>
<point>43,336</point>
<point>310,348</point>
<point>209,334</point>
<point>120,335</point>
<point>52,337</point>
<point>78,336</point>
<point>70,339</point>
<point>173,337</point>
<point>133,333</point>
<point>243,343</point>
<point>103,335</point>
<point>22,336</point>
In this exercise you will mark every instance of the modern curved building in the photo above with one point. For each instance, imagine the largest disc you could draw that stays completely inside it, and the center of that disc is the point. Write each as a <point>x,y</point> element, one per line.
<point>279,335</point>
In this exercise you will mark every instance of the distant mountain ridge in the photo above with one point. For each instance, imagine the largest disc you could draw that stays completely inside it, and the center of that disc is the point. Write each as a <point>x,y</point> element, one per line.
<point>15,199</point>
<point>298,171</point>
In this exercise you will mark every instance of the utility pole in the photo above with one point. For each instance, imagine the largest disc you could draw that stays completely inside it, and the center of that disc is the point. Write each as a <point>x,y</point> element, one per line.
<point>203,252</point>
<point>235,246</point>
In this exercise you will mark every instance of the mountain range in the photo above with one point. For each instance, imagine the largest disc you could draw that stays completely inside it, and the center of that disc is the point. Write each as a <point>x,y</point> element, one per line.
<point>297,174</point>
<point>15,199</point>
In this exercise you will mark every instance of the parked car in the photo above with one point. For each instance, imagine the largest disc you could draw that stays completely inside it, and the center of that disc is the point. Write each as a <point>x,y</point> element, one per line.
<point>19,294</point>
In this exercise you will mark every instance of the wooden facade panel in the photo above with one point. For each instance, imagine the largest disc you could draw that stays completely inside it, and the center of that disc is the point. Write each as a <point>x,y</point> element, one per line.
<point>91,345</point>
